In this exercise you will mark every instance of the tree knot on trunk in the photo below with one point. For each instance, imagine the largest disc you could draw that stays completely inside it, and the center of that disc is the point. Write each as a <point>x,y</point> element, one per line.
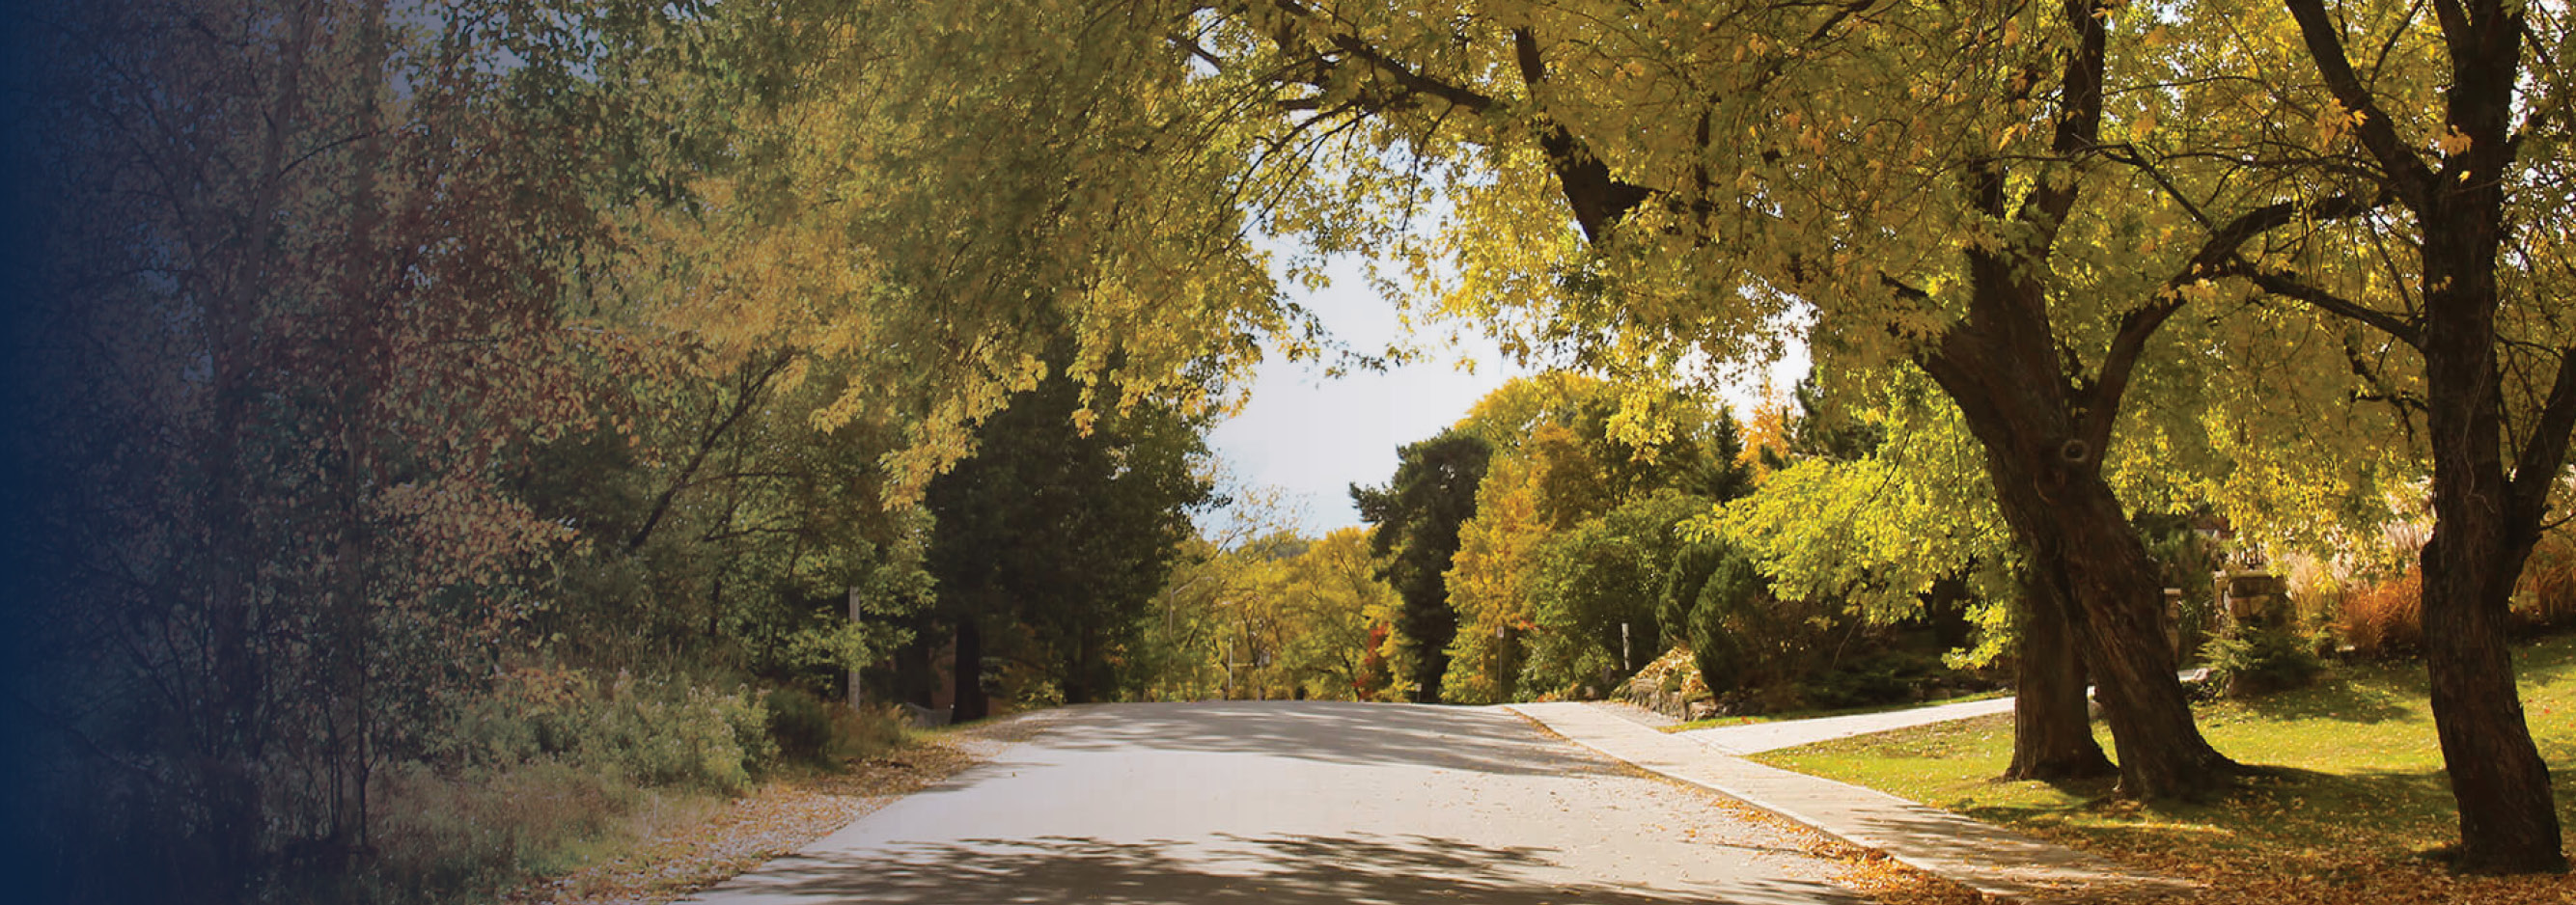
<point>2075,452</point>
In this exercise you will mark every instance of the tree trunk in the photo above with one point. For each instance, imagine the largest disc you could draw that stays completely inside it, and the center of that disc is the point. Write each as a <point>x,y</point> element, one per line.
<point>2111,600</point>
<point>969,674</point>
<point>2052,724</point>
<point>2508,817</point>
<point>2484,526</point>
<point>1079,674</point>
<point>2043,454</point>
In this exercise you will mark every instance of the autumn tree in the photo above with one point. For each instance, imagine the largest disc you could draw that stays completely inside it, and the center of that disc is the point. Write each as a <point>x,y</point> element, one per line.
<point>1333,599</point>
<point>303,308</point>
<point>2456,115</point>
<point>339,301</point>
<point>1568,449</point>
<point>1489,584</point>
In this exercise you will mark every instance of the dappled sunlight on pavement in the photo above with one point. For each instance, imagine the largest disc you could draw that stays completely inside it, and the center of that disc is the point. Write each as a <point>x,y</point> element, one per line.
<point>1298,802</point>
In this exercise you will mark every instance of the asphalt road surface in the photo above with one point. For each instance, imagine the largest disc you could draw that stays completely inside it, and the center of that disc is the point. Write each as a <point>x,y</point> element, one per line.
<point>1295,803</point>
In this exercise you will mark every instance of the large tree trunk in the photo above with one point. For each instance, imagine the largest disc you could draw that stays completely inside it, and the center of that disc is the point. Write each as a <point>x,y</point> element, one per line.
<point>2001,367</point>
<point>2484,526</point>
<point>2052,724</point>
<point>2508,817</point>
<point>2118,600</point>
<point>968,672</point>
<point>2110,600</point>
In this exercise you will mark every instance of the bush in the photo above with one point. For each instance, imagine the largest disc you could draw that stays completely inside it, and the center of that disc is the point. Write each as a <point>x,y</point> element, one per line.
<point>812,731</point>
<point>2251,661</point>
<point>800,723</point>
<point>2546,597</point>
<point>651,731</point>
<point>1594,594</point>
<point>683,735</point>
<point>441,837</point>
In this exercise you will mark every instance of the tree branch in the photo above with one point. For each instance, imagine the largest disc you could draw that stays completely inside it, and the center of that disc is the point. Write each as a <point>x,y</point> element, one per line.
<point>2288,285</point>
<point>2535,471</point>
<point>2411,178</point>
<point>2100,399</point>
<point>755,377</point>
<point>1599,200</point>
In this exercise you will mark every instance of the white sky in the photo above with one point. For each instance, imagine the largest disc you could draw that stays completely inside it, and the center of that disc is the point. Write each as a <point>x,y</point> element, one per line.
<point>1310,437</point>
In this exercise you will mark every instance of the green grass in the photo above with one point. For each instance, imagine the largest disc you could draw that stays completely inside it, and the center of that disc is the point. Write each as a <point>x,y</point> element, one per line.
<point>1817,714</point>
<point>2357,783</point>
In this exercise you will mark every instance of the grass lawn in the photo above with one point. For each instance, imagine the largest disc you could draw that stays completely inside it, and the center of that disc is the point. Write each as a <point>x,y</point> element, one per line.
<point>2360,804</point>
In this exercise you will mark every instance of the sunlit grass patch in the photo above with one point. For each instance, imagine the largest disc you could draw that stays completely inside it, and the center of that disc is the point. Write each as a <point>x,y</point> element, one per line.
<point>2353,801</point>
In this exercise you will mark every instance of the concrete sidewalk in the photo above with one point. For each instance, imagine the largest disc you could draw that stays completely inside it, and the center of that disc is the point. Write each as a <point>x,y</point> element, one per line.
<point>1754,738</point>
<point>1985,858</point>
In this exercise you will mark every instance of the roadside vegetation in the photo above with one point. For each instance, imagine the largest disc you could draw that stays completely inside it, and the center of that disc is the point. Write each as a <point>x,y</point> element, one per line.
<point>583,776</point>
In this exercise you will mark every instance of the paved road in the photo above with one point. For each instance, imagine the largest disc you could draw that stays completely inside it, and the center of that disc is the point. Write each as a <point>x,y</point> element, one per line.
<point>1304,803</point>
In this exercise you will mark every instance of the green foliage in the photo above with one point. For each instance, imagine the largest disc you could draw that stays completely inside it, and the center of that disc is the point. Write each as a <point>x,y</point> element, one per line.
<point>1059,536</point>
<point>1719,472</point>
<point>1417,517</point>
<point>1882,533</point>
<point>647,731</point>
<point>1594,593</point>
<point>1725,615</point>
<point>815,732</point>
<point>1825,430</point>
<point>2185,560</point>
<point>1569,448</point>
<point>800,724</point>
<point>2256,660</point>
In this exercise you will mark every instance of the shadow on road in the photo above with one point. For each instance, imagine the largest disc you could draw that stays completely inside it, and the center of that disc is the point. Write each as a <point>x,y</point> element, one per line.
<point>1297,870</point>
<point>1337,732</point>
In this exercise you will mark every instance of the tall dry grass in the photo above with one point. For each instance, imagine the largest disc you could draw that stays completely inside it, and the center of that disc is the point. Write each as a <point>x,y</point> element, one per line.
<point>2546,597</point>
<point>2383,619</point>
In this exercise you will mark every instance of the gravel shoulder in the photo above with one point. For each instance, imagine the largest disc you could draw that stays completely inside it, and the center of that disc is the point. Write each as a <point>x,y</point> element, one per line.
<point>690,852</point>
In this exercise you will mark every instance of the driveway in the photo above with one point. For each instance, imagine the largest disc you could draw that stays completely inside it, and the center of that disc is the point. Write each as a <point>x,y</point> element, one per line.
<point>1295,803</point>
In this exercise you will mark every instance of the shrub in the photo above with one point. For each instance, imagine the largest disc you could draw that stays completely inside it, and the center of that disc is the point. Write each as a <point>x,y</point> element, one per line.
<point>812,731</point>
<point>439,838</point>
<point>2249,661</point>
<point>651,731</point>
<point>665,734</point>
<point>800,723</point>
